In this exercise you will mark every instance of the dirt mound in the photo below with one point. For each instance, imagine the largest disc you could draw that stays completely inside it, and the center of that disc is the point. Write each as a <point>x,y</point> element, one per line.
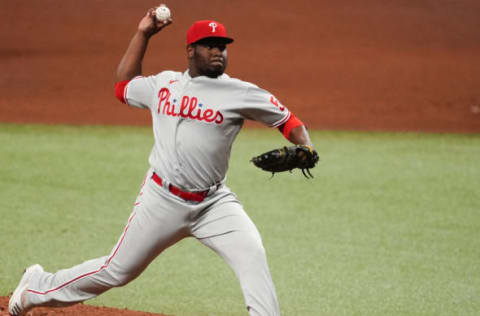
<point>75,310</point>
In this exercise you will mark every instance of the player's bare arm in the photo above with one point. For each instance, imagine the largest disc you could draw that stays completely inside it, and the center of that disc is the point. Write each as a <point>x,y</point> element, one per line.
<point>299,136</point>
<point>131,64</point>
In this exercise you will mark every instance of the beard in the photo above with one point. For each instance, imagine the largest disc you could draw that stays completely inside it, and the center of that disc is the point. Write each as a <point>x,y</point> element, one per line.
<point>206,68</point>
<point>214,72</point>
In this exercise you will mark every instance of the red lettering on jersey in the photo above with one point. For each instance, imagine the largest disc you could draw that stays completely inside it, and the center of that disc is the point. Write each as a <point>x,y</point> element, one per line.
<point>189,108</point>
<point>184,106</point>
<point>163,95</point>
<point>219,118</point>
<point>192,107</point>
<point>276,103</point>
<point>208,116</point>
<point>170,109</point>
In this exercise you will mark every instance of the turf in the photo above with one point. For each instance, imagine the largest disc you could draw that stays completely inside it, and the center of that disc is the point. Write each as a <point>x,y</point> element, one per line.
<point>389,226</point>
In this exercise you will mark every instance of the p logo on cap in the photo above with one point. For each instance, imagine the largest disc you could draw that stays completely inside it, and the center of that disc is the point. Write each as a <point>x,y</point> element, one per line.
<point>213,25</point>
<point>207,28</point>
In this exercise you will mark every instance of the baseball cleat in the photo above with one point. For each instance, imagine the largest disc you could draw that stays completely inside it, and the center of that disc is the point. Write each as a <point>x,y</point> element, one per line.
<point>15,305</point>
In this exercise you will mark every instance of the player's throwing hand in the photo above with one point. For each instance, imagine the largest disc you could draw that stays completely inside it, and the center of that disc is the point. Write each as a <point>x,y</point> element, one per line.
<point>149,25</point>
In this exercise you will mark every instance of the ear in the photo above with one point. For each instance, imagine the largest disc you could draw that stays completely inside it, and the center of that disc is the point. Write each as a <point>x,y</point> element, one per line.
<point>190,51</point>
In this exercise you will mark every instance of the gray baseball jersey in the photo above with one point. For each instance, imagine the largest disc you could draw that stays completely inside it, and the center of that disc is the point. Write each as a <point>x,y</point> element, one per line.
<point>195,121</point>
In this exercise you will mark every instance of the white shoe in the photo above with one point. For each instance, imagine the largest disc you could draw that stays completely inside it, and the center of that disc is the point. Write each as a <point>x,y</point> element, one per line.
<point>15,305</point>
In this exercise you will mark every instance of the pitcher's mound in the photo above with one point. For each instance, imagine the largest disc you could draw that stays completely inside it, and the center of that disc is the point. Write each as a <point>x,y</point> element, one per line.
<point>75,310</point>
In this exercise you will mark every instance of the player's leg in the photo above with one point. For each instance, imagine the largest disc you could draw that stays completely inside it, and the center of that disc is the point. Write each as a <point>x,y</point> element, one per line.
<point>229,231</point>
<point>154,225</point>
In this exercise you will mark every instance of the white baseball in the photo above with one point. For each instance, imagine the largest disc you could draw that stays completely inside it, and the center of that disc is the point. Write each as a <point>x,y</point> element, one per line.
<point>162,13</point>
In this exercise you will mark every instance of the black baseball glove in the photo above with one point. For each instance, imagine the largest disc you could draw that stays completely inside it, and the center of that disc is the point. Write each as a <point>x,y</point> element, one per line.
<point>288,158</point>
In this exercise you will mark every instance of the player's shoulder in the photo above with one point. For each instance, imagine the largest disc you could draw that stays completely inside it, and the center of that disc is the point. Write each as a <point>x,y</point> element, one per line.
<point>168,75</point>
<point>161,78</point>
<point>239,82</point>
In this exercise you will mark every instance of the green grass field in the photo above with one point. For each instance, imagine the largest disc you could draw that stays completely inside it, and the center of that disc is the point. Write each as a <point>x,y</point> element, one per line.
<point>389,226</point>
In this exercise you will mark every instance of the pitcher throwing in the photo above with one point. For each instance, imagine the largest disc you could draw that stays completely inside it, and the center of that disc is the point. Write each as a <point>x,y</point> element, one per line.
<point>196,115</point>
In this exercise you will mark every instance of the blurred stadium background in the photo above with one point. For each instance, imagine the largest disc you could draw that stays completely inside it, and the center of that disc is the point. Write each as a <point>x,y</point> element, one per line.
<point>355,65</point>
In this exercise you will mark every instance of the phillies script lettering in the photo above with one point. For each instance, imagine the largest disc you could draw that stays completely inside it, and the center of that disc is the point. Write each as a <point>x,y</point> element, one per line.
<point>189,108</point>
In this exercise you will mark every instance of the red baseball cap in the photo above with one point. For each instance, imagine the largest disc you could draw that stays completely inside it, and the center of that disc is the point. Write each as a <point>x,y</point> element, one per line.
<point>207,28</point>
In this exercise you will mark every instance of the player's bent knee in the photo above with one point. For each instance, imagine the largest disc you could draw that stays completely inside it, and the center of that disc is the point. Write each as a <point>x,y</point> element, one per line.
<point>121,280</point>
<point>116,278</point>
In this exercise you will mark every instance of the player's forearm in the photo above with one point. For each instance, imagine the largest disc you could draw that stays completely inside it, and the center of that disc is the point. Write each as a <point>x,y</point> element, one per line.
<point>131,64</point>
<point>299,136</point>
<point>294,130</point>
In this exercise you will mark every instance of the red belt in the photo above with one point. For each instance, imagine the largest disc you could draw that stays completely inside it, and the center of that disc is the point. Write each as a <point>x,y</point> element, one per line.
<point>187,196</point>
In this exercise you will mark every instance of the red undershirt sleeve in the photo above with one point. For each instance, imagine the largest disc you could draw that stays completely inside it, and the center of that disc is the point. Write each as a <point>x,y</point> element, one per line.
<point>287,127</point>
<point>120,90</point>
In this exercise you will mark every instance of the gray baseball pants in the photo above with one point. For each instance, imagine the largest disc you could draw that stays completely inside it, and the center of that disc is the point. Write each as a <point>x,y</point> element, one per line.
<point>159,220</point>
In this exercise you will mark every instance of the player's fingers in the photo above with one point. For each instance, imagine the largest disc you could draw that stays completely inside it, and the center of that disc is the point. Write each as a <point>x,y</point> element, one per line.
<point>162,24</point>
<point>151,14</point>
<point>167,22</point>
<point>148,16</point>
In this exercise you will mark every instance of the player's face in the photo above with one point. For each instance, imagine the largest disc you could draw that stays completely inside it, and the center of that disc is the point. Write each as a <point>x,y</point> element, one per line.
<point>208,57</point>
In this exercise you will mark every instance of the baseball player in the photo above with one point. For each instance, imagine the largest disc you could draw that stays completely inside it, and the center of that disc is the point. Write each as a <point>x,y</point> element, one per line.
<point>196,115</point>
